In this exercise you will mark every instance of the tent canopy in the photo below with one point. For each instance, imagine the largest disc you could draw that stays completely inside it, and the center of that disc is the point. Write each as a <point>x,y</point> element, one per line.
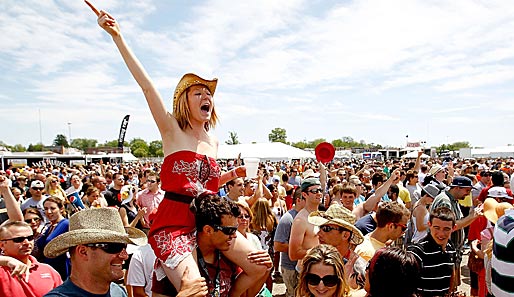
<point>275,151</point>
<point>414,155</point>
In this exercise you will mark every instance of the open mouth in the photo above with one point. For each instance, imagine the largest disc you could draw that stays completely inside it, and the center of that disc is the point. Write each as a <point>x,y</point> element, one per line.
<point>206,107</point>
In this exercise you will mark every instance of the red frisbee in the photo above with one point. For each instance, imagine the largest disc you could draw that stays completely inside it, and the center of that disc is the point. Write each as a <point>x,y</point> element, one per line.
<point>325,152</point>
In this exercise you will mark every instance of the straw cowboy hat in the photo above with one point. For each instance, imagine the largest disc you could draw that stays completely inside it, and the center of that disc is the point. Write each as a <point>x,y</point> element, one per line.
<point>435,169</point>
<point>190,79</point>
<point>94,225</point>
<point>493,209</point>
<point>338,215</point>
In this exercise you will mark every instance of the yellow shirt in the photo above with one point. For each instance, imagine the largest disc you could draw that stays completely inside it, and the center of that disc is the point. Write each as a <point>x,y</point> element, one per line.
<point>467,201</point>
<point>368,247</point>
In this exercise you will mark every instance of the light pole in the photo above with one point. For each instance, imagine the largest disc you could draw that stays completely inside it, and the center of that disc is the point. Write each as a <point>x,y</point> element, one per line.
<point>69,133</point>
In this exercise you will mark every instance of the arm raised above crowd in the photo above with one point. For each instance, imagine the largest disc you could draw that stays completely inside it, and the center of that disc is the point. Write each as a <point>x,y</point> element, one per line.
<point>373,200</point>
<point>13,208</point>
<point>157,107</point>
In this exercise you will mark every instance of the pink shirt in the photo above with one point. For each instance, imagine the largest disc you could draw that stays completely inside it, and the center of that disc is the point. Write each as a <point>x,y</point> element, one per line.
<point>151,201</point>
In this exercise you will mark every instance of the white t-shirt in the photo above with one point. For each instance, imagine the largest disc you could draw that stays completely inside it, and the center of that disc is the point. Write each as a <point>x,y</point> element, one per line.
<point>141,268</point>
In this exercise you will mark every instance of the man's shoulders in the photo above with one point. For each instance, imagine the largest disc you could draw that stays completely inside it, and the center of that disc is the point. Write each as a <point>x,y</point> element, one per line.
<point>68,289</point>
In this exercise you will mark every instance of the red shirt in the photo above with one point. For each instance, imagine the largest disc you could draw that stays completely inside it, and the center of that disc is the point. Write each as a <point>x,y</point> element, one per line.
<point>43,278</point>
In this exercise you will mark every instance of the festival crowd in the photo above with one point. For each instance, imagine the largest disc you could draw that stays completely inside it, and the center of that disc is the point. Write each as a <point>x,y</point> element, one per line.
<point>348,228</point>
<point>193,225</point>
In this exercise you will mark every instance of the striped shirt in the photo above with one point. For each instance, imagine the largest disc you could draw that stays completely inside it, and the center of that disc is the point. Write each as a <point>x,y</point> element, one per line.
<point>445,199</point>
<point>502,272</point>
<point>436,266</point>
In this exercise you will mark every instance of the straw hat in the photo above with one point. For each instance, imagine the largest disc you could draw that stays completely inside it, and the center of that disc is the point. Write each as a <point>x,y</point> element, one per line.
<point>493,209</point>
<point>338,215</point>
<point>435,169</point>
<point>94,225</point>
<point>190,79</point>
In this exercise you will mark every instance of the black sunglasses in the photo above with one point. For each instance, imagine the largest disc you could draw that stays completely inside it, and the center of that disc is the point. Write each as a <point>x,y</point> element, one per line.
<point>110,247</point>
<point>227,230</point>
<point>315,191</point>
<point>28,221</point>
<point>328,280</point>
<point>151,181</point>
<point>244,217</point>
<point>20,239</point>
<point>327,228</point>
<point>37,189</point>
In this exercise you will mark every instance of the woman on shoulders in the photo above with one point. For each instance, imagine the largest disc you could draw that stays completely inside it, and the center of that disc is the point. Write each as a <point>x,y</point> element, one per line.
<point>188,172</point>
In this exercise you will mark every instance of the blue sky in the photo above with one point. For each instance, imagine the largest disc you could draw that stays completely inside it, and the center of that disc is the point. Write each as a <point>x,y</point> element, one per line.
<point>438,71</point>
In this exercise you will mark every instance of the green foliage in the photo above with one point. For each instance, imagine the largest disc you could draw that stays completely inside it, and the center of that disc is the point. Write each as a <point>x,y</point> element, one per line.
<point>232,138</point>
<point>278,135</point>
<point>139,147</point>
<point>454,146</point>
<point>83,143</point>
<point>114,143</point>
<point>18,148</point>
<point>61,140</point>
<point>35,147</point>
<point>155,149</point>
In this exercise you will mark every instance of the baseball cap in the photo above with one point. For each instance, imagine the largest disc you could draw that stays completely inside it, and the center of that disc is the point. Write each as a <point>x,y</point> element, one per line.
<point>309,182</point>
<point>462,181</point>
<point>37,184</point>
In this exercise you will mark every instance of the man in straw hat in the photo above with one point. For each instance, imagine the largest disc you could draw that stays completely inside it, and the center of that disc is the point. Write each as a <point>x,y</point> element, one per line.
<point>97,243</point>
<point>336,228</point>
<point>502,215</point>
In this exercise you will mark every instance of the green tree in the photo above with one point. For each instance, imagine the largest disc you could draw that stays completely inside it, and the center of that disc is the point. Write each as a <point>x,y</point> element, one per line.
<point>300,144</point>
<point>35,147</point>
<point>18,148</point>
<point>139,147</point>
<point>114,143</point>
<point>83,143</point>
<point>454,146</point>
<point>155,148</point>
<point>60,140</point>
<point>232,138</point>
<point>278,135</point>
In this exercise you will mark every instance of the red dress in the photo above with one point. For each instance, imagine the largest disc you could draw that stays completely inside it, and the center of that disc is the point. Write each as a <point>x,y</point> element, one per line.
<point>188,174</point>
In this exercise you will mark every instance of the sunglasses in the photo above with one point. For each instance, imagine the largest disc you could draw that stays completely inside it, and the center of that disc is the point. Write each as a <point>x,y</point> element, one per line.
<point>327,228</point>
<point>21,239</point>
<point>403,226</point>
<point>28,221</point>
<point>244,217</point>
<point>328,280</point>
<point>315,191</point>
<point>54,182</point>
<point>151,181</point>
<point>38,189</point>
<point>227,230</point>
<point>110,248</point>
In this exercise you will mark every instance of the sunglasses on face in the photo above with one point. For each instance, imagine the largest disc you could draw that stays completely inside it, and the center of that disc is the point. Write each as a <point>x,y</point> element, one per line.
<point>328,280</point>
<point>403,226</point>
<point>54,182</point>
<point>315,191</point>
<point>28,221</point>
<point>110,248</point>
<point>244,217</point>
<point>327,228</point>
<point>227,230</point>
<point>151,181</point>
<point>20,239</point>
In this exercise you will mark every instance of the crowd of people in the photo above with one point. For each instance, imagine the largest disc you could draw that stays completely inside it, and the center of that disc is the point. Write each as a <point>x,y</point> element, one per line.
<point>193,225</point>
<point>310,226</point>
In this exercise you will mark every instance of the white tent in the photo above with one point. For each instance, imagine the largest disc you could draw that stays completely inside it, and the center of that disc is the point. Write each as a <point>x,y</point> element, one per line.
<point>414,155</point>
<point>275,151</point>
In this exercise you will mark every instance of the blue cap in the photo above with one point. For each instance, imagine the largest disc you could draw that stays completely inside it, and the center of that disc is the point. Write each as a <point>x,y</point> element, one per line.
<point>461,181</point>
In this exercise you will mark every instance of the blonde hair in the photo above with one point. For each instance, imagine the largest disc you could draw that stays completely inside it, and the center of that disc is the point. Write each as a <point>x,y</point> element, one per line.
<point>327,255</point>
<point>182,113</point>
<point>263,217</point>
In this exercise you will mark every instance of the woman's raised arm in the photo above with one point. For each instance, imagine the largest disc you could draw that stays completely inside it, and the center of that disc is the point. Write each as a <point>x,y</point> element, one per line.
<point>157,107</point>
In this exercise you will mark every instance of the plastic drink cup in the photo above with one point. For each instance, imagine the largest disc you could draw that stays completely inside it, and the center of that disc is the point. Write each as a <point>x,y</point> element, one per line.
<point>251,165</point>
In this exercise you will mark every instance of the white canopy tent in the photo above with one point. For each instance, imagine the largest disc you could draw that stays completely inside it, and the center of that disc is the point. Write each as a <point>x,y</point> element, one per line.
<point>414,155</point>
<point>275,151</point>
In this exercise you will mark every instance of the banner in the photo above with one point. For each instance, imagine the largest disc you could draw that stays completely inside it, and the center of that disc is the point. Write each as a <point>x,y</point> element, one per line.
<point>123,130</point>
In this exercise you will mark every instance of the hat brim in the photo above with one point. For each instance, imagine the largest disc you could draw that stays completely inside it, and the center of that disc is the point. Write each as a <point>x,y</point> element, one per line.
<point>189,80</point>
<point>357,237</point>
<point>63,242</point>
